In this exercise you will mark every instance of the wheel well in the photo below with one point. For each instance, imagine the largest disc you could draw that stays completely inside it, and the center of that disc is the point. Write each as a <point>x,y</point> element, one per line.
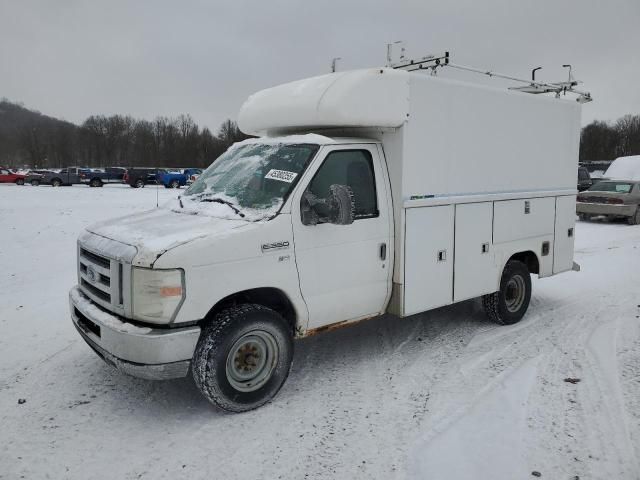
<point>530,259</point>
<point>269,297</point>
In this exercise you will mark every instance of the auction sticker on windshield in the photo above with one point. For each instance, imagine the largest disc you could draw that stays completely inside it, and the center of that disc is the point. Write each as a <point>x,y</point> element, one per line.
<point>282,175</point>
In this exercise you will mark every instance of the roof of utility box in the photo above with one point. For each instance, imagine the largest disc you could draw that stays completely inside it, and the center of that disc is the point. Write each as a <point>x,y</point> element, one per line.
<point>358,98</point>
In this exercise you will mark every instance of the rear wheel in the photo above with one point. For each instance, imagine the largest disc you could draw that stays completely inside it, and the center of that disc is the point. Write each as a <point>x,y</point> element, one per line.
<point>56,182</point>
<point>96,182</point>
<point>635,218</point>
<point>508,305</point>
<point>35,183</point>
<point>243,358</point>
<point>20,181</point>
<point>139,183</point>
<point>174,184</point>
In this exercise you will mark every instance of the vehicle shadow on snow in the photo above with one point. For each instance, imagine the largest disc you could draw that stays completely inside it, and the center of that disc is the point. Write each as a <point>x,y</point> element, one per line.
<point>354,346</point>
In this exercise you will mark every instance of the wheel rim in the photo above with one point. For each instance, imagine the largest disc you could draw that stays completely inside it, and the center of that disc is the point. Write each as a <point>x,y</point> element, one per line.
<point>515,293</point>
<point>140,183</point>
<point>56,183</point>
<point>252,360</point>
<point>175,184</point>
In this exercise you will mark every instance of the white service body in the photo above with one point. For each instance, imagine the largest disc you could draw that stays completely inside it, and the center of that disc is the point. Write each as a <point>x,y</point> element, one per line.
<point>466,177</point>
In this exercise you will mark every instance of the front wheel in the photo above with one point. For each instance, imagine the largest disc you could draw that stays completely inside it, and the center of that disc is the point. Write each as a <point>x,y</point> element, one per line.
<point>508,305</point>
<point>635,218</point>
<point>56,182</point>
<point>243,358</point>
<point>96,182</point>
<point>139,183</point>
<point>20,181</point>
<point>35,183</point>
<point>174,184</point>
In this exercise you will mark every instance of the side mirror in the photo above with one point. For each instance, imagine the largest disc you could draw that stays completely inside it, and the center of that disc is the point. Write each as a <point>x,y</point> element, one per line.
<point>337,209</point>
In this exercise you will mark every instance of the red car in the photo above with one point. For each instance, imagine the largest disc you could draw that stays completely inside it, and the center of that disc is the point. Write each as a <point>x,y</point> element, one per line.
<point>7,176</point>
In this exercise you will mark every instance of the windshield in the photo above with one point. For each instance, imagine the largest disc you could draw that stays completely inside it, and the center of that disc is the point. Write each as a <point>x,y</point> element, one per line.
<point>616,187</point>
<point>254,178</point>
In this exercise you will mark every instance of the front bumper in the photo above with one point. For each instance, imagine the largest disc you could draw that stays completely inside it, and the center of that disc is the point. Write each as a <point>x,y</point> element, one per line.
<point>605,209</point>
<point>144,352</point>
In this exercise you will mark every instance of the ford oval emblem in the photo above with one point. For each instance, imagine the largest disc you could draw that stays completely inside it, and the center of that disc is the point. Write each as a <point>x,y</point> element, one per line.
<point>91,274</point>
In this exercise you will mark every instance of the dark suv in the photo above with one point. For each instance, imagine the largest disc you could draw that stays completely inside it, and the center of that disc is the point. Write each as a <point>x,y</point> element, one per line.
<point>584,179</point>
<point>138,177</point>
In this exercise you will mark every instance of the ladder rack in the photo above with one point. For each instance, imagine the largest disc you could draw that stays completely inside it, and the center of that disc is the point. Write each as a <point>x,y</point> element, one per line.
<point>433,62</point>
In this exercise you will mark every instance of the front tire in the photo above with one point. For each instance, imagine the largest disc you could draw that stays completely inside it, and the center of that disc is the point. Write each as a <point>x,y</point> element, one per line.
<point>96,182</point>
<point>56,182</point>
<point>508,305</point>
<point>35,183</point>
<point>243,358</point>
<point>174,184</point>
<point>635,218</point>
<point>139,183</point>
<point>20,181</point>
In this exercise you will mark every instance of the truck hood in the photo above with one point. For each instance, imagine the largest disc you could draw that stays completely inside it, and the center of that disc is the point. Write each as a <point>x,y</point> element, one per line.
<point>155,232</point>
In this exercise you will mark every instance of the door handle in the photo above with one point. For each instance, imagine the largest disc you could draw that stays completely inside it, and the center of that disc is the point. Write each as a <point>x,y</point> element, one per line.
<point>383,251</point>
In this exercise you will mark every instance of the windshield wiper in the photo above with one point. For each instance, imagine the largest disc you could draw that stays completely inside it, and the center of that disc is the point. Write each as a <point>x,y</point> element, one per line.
<point>224,202</point>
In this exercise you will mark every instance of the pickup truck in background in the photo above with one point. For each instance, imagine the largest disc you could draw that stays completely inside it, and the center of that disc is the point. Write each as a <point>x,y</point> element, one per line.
<point>97,178</point>
<point>368,192</point>
<point>138,177</point>
<point>65,177</point>
<point>177,179</point>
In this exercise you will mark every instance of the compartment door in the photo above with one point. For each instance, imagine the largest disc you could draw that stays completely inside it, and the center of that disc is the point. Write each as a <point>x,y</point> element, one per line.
<point>564,236</point>
<point>428,269</point>
<point>475,270</point>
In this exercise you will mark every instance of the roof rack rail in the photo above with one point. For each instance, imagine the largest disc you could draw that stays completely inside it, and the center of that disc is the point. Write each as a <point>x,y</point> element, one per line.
<point>433,62</point>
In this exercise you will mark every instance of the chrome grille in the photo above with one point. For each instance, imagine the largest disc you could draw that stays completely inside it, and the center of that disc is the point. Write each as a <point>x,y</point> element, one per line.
<point>100,278</point>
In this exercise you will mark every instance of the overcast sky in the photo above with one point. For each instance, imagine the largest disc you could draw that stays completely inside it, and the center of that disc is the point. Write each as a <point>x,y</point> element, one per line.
<point>71,59</point>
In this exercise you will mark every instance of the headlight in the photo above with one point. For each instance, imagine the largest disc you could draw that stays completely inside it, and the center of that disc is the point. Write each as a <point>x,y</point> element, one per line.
<point>157,294</point>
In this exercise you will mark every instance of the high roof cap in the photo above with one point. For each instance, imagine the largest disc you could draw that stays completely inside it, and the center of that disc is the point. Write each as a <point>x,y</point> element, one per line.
<point>358,98</point>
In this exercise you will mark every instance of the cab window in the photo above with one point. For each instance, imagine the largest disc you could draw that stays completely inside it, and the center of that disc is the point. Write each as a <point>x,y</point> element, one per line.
<point>353,168</point>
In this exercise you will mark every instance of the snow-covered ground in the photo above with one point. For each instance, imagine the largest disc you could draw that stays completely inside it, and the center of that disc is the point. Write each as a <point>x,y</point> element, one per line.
<point>444,395</point>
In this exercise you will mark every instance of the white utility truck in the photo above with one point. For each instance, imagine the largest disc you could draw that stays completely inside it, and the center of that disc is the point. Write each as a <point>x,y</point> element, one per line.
<point>368,192</point>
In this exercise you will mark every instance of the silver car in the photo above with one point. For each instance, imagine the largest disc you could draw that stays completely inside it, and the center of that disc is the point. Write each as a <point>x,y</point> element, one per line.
<point>611,198</point>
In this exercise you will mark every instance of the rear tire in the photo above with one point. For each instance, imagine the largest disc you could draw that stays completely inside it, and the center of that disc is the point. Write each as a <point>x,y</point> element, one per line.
<point>139,183</point>
<point>35,183</point>
<point>96,182</point>
<point>243,357</point>
<point>20,181</point>
<point>508,305</point>
<point>635,218</point>
<point>174,184</point>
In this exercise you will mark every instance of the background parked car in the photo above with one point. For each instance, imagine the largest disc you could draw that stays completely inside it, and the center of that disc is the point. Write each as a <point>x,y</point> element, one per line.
<point>138,177</point>
<point>194,176</point>
<point>584,179</point>
<point>66,176</point>
<point>177,178</point>
<point>34,177</point>
<point>97,177</point>
<point>612,198</point>
<point>7,176</point>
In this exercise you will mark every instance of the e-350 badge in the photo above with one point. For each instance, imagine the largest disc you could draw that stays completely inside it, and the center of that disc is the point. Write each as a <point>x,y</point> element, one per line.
<point>271,247</point>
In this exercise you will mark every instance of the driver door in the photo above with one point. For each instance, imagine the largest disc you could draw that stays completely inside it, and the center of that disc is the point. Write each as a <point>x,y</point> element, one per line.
<point>345,270</point>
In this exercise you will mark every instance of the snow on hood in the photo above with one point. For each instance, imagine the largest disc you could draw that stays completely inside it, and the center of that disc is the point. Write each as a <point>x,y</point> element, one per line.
<point>156,231</point>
